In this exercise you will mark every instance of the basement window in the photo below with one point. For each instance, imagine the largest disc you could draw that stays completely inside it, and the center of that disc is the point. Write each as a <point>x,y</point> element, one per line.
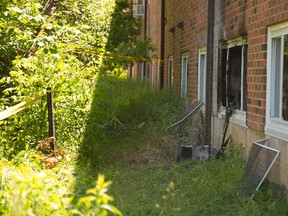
<point>277,82</point>
<point>233,78</point>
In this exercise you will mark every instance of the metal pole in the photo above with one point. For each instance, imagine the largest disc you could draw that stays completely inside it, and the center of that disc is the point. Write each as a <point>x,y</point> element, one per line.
<point>209,72</point>
<point>51,118</point>
<point>162,43</point>
<point>145,37</point>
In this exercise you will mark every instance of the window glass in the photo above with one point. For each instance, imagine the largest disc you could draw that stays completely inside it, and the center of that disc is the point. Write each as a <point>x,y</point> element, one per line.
<point>285,80</point>
<point>202,73</point>
<point>184,76</point>
<point>275,111</point>
<point>170,72</point>
<point>233,77</point>
<point>279,78</point>
<point>277,82</point>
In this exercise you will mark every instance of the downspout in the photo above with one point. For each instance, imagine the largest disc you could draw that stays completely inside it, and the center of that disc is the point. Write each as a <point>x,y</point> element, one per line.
<point>162,45</point>
<point>145,37</point>
<point>209,72</point>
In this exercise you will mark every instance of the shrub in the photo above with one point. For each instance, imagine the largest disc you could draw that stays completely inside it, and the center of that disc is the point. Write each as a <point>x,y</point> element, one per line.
<point>27,189</point>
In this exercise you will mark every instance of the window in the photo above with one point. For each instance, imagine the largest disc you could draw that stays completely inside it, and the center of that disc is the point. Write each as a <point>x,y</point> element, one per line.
<point>202,74</point>
<point>170,72</point>
<point>158,73</point>
<point>184,75</point>
<point>139,70</point>
<point>152,73</point>
<point>234,70</point>
<point>277,82</point>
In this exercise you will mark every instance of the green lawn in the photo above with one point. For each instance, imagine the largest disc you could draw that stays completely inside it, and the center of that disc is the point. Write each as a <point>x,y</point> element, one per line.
<point>139,157</point>
<point>189,188</point>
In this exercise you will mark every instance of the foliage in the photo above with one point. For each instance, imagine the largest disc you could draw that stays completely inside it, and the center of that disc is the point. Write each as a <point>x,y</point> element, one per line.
<point>40,47</point>
<point>97,201</point>
<point>27,189</point>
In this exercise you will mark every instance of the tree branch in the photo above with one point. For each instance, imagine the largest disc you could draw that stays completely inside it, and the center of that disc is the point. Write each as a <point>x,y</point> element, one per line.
<point>49,9</point>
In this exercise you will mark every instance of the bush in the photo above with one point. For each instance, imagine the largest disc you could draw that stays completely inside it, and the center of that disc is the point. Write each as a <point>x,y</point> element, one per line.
<point>27,189</point>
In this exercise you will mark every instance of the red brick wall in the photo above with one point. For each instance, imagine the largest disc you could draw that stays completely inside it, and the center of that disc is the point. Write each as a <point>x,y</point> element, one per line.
<point>259,15</point>
<point>233,18</point>
<point>154,32</point>
<point>189,39</point>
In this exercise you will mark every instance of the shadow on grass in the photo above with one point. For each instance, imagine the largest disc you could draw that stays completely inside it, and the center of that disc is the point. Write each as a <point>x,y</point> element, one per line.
<point>124,113</point>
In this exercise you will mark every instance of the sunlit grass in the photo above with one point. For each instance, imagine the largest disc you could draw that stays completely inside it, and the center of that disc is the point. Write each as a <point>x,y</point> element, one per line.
<point>189,188</point>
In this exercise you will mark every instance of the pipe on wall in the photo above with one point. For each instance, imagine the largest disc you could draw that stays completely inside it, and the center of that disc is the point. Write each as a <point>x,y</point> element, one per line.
<point>145,73</point>
<point>162,45</point>
<point>209,72</point>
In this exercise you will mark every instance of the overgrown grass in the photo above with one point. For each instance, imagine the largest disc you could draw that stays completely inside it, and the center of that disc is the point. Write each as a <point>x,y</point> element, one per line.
<point>190,188</point>
<point>125,113</point>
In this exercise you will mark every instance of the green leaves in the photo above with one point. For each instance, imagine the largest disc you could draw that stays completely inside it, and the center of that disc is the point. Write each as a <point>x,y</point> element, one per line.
<point>96,201</point>
<point>27,189</point>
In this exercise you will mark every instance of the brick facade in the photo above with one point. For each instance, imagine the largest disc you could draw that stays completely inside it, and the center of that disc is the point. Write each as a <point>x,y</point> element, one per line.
<point>193,15</point>
<point>186,32</point>
<point>153,32</point>
<point>251,18</point>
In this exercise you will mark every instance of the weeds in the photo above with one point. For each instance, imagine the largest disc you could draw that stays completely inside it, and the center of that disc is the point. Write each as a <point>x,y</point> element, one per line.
<point>125,113</point>
<point>191,188</point>
<point>115,125</point>
<point>27,189</point>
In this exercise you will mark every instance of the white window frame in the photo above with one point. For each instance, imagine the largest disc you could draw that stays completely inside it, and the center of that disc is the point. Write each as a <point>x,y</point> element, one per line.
<point>184,75</point>
<point>158,73</point>
<point>239,116</point>
<point>275,126</point>
<point>142,70</point>
<point>152,73</point>
<point>202,73</point>
<point>170,72</point>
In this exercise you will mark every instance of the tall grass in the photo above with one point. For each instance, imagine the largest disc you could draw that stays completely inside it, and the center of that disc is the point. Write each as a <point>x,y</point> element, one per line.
<point>191,188</point>
<point>124,113</point>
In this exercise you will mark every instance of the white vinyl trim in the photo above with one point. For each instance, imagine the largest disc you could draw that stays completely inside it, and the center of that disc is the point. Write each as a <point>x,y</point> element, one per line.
<point>184,74</point>
<point>274,127</point>
<point>202,59</point>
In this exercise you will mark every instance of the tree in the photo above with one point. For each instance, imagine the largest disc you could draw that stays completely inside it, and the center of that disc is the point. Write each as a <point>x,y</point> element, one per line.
<point>41,45</point>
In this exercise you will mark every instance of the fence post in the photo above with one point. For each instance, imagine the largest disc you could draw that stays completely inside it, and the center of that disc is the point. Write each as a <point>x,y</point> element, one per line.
<point>51,118</point>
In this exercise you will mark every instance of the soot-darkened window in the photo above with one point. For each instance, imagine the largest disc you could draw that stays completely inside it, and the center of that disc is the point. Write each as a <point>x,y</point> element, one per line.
<point>233,77</point>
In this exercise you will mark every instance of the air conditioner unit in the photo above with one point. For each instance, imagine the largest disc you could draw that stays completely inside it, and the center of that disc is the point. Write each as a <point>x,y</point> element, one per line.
<point>139,10</point>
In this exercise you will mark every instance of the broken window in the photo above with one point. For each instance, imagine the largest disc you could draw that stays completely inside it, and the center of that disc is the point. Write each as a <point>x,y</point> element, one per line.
<point>233,74</point>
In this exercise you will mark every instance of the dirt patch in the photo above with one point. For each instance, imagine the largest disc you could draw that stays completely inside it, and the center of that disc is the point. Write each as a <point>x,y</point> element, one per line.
<point>163,151</point>
<point>155,152</point>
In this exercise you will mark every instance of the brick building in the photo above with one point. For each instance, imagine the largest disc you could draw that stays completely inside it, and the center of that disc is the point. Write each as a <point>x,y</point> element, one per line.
<point>250,65</point>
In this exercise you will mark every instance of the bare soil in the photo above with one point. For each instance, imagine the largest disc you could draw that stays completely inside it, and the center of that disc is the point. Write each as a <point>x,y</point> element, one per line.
<point>155,152</point>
